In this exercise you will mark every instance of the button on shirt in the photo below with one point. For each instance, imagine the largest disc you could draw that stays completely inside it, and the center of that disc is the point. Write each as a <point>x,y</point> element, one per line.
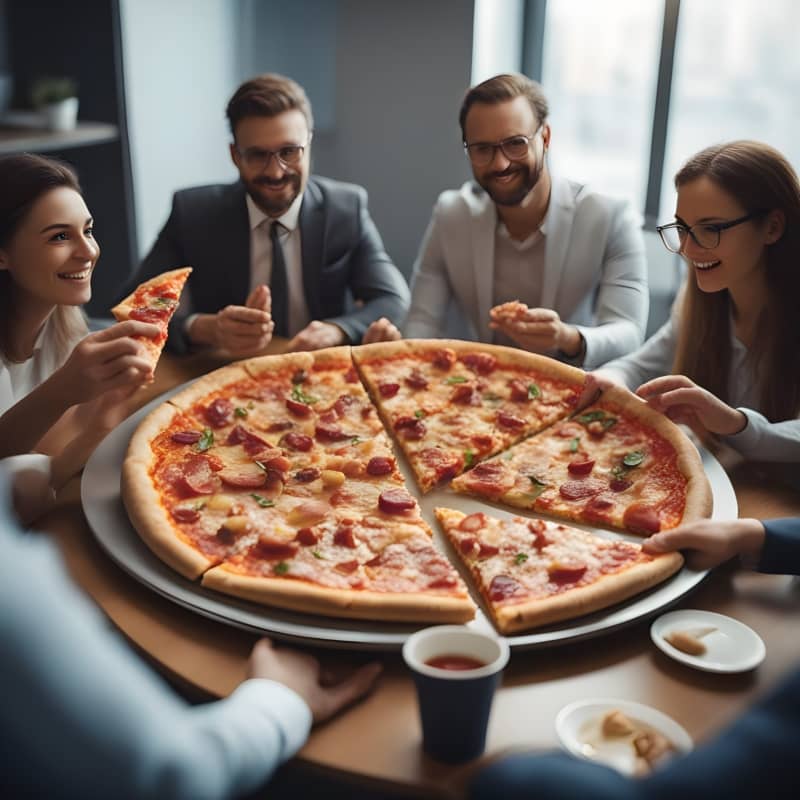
<point>518,271</point>
<point>261,257</point>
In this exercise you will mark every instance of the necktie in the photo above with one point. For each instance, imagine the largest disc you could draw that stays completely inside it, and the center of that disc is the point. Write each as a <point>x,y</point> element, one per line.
<point>278,284</point>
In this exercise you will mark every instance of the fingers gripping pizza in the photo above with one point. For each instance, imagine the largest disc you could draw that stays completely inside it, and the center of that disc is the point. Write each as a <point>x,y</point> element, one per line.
<point>276,479</point>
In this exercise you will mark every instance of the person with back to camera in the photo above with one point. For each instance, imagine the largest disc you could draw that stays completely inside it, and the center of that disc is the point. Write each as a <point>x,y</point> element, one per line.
<point>279,251</point>
<point>530,258</point>
<point>727,362</point>
<point>56,379</point>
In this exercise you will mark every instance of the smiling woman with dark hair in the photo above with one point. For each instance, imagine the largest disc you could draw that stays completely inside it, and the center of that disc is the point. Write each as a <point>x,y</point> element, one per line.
<point>733,342</point>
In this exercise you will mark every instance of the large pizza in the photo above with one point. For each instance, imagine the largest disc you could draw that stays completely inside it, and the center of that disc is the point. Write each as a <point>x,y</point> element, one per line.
<point>277,479</point>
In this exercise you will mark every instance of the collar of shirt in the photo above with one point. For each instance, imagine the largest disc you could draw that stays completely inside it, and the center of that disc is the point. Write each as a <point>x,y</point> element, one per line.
<point>288,219</point>
<point>528,242</point>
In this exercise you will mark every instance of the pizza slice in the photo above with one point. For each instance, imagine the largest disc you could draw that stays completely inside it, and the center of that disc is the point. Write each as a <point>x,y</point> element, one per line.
<point>155,300</point>
<point>451,404</point>
<point>617,463</point>
<point>532,573</point>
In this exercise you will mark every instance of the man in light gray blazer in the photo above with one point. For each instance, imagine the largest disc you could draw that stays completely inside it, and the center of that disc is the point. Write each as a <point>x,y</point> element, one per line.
<point>278,251</point>
<point>573,258</point>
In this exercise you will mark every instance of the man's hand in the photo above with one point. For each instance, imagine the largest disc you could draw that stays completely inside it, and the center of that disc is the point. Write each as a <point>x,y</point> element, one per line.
<point>302,673</point>
<point>382,330</point>
<point>711,541</point>
<point>536,329</point>
<point>317,335</point>
<point>684,401</point>
<point>240,330</point>
<point>106,360</point>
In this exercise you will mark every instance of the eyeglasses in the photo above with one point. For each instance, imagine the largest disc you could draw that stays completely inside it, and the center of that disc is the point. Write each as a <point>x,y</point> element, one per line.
<point>705,234</point>
<point>515,148</point>
<point>287,156</point>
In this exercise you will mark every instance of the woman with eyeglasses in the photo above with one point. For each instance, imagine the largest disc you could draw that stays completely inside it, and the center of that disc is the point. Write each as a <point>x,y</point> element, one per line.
<point>52,374</point>
<point>727,363</point>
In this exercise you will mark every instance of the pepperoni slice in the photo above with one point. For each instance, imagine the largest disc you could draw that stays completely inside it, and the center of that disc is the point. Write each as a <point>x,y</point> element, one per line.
<point>187,437</point>
<point>297,408</point>
<point>243,476</point>
<point>619,484</point>
<point>502,587</point>
<point>575,490</point>
<point>273,549</point>
<point>396,501</point>
<point>219,412</point>
<point>410,428</point>
<point>482,363</point>
<point>566,572</point>
<point>154,315</point>
<point>346,567</point>
<point>283,425</point>
<point>640,518</point>
<point>491,478</point>
<point>344,403</point>
<point>306,537</point>
<point>197,477</point>
<point>331,433</point>
<point>467,545</point>
<point>483,441</point>
<point>251,443</point>
<point>307,475</point>
<point>296,441</point>
<point>466,394</point>
<point>300,376</point>
<point>443,582</point>
<point>183,514</point>
<point>351,376</point>
<point>510,421</point>
<point>474,522</point>
<point>388,389</point>
<point>519,391</point>
<point>345,537</point>
<point>416,380</point>
<point>380,465</point>
<point>581,466</point>
<point>487,550</point>
<point>444,358</point>
<point>444,465</point>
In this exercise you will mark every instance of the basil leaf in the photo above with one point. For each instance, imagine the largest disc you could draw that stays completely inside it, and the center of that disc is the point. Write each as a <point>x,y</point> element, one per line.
<point>534,391</point>
<point>455,379</point>
<point>520,558</point>
<point>205,441</point>
<point>281,568</point>
<point>469,457</point>
<point>573,445</point>
<point>301,397</point>
<point>419,413</point>
<point>633,459</point>
<point>239,411</point>
<point>317,554</point>
<point>491,397</point>
<point>264,502</point>
<point>609,422</point>
<point>591,416</point>
<point>537,486</point>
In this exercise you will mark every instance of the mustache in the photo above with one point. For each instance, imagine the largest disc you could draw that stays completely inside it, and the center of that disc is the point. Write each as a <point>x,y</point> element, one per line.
<point>264,181</point>
<point>505,172</point>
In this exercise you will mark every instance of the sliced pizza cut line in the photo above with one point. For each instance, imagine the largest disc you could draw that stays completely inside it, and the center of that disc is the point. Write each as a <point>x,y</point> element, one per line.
<point>532,573</point>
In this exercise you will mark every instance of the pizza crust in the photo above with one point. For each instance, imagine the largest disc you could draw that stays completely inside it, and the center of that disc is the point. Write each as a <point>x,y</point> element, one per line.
<point>143,501</point>
<point>356,604</point>
<point>583,600</point>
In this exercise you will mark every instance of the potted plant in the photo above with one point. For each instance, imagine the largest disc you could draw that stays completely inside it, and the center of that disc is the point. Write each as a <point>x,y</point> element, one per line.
<point>57,98</point>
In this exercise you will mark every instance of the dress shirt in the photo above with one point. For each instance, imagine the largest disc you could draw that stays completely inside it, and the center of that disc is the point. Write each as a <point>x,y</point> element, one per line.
<point>261,257</point>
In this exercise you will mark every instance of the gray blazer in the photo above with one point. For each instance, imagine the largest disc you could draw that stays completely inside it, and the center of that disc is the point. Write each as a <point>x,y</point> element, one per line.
<point>343,256</point>
<point>595,273</point>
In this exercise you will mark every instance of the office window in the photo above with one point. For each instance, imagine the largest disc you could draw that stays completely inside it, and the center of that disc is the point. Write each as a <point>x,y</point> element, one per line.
<point>599,71</point>
<point>736,76</point>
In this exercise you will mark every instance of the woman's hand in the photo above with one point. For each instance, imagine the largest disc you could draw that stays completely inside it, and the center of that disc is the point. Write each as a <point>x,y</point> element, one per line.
<point>104,361</point>
<point>382,330</point>
<point>712,541</point>
<point>302,673</point>
<point>685,402</point>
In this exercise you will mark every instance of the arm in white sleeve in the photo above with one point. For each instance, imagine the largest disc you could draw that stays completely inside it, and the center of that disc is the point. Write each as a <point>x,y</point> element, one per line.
<point>652,360</point>
<point>430,288</point>
<point>762,440</point>
<point>623,300</point>
<point>82,716</point>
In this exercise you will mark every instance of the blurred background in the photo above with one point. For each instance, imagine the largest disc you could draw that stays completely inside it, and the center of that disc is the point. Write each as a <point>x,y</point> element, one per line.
<point>635,87</point>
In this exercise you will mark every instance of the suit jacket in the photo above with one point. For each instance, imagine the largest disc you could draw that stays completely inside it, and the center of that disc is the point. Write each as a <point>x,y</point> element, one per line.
<point>755,757</point>
<point>342,252</point>
<point>595,272</point>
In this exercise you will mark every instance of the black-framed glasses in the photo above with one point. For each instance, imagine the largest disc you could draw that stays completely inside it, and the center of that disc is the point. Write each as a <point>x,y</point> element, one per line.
<point>704,234</point>
<point>258,158</point>
<point>515,148</point>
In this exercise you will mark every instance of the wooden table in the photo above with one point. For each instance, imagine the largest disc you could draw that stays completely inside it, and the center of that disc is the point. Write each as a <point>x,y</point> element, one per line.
<point>378,740</point>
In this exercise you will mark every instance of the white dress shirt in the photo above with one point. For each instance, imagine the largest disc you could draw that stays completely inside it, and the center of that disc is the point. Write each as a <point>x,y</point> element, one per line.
<point>261,257</point>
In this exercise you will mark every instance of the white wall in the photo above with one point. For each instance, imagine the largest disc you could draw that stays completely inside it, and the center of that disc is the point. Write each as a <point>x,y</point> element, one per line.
<point>181,65</point>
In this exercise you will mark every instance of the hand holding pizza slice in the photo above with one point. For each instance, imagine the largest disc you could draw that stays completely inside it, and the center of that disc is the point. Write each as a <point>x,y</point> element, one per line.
<point>154,301</point>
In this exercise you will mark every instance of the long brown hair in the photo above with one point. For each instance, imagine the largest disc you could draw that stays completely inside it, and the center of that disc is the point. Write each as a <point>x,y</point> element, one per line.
<point>760,179</point>
<point>24,178</point>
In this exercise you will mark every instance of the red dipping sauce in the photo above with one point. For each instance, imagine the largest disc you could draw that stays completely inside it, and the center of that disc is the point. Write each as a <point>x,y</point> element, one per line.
<point>454,662</point>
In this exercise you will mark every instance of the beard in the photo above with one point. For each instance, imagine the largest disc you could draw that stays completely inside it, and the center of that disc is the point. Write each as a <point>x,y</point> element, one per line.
<point>271,203</point>
<point>513,195</point>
